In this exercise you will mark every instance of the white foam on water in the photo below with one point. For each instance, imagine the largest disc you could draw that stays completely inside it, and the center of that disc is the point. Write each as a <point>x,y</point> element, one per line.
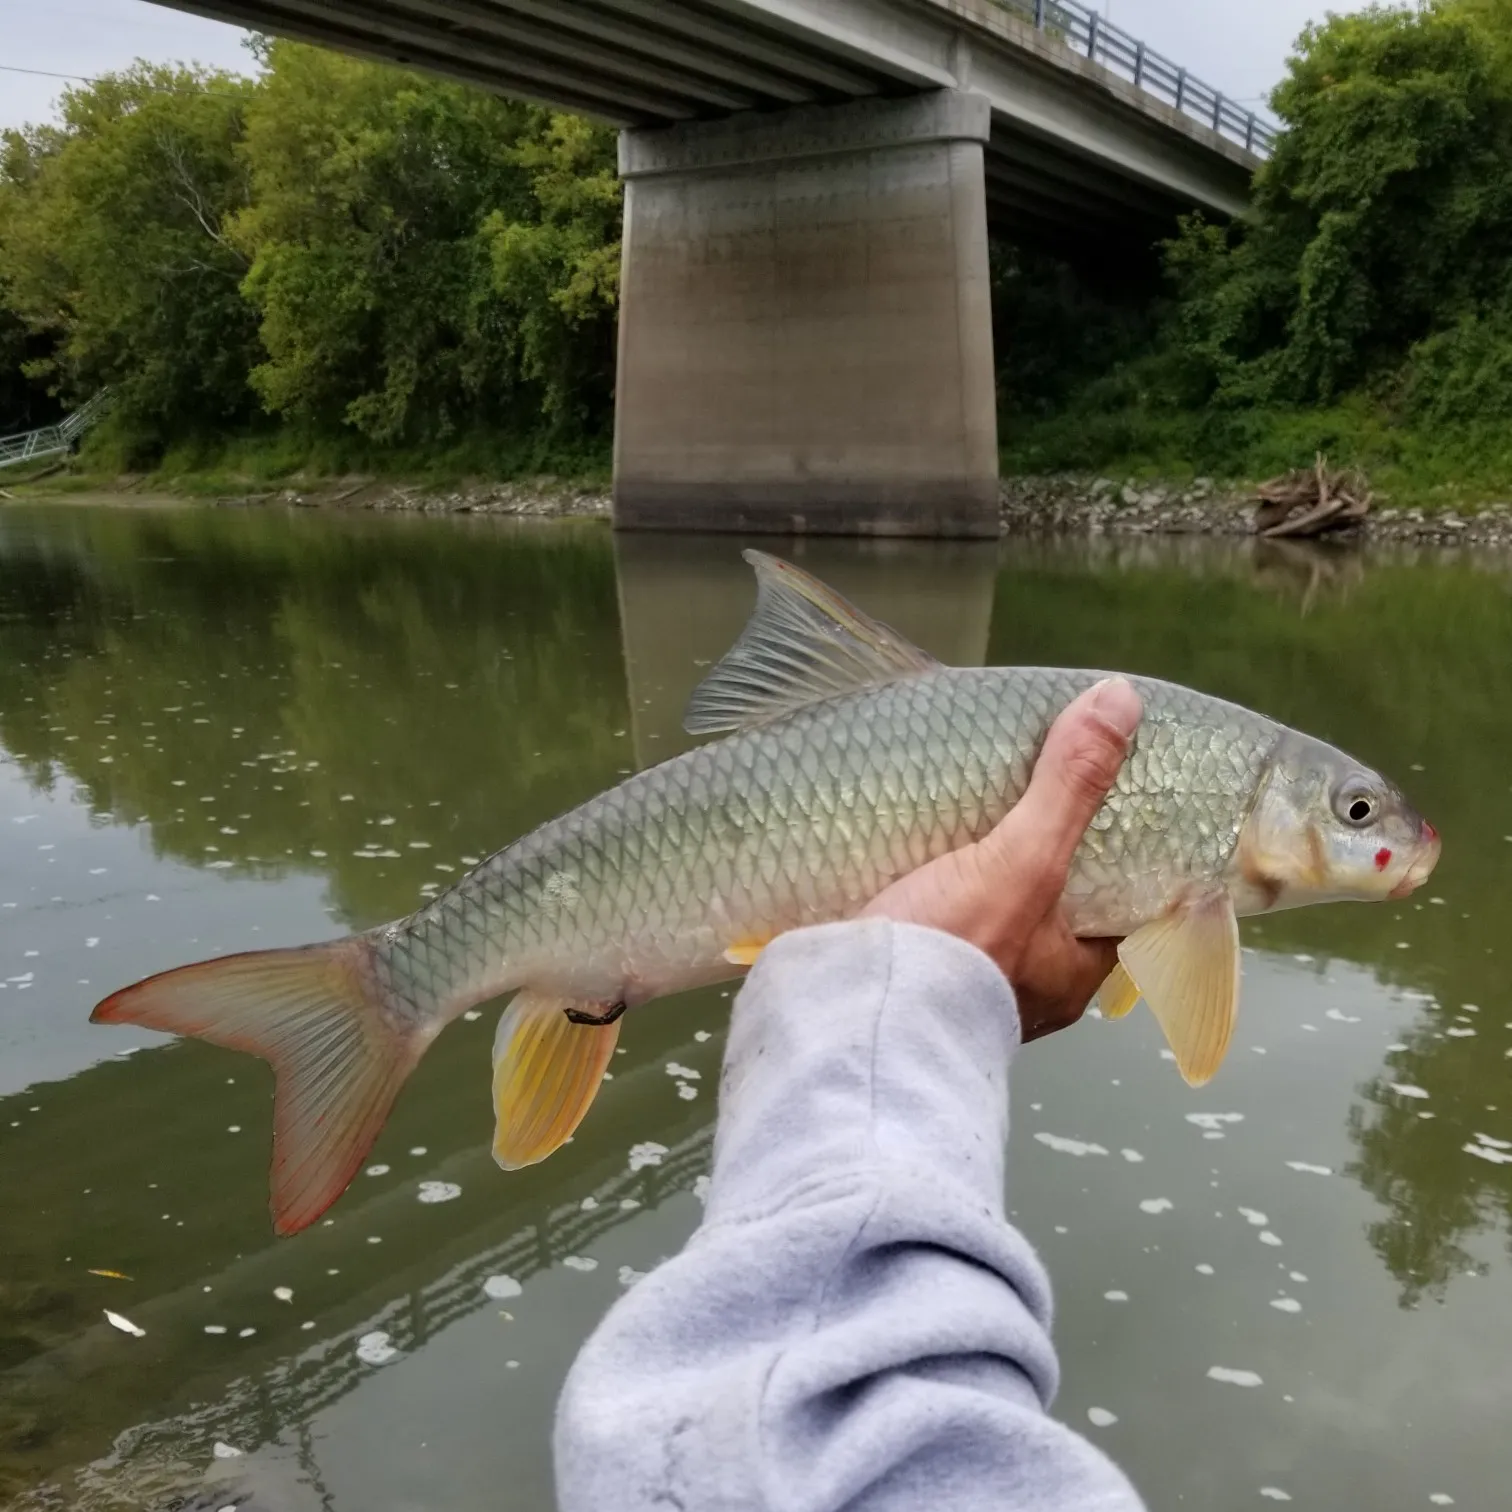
<point>1115,1296</point>
<point>1156,1205</point>
<point>1286,1304</point>
<point>284,1293</point>
<point>647,1154</point>
<point>215,1328</point>
<point>682,1073</point>
<point>1214,1122</point>
<point>501,1288</point>
<point>1233,1377</point>
<point>1100,1417</point>
<point>124,1324</point>
<point>701,1188</point>
<point>1340,1017</point>
<point>1441,1499</point>
<point>1266,1237</point>
<point>686,1092</point>
<point>377,1170</point>
<point>226,1451</point>
<point>1460,1033</point>
<point>1274,1493</point>
<point>579,1262</point>
<point>1496,1144</point>
<point>628,1275</point>
<point>1311,1170</point>
<point>1069,1146</point>
<point>438,1191</point>
<point>1254,1216</point>
<point>1204,1269</point>
<point>1132,1156</point>
<point>376,1348</point>
<point>703,1036</point>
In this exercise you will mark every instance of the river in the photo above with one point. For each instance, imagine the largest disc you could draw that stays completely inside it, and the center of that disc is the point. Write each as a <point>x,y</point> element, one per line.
<point>227,729</point>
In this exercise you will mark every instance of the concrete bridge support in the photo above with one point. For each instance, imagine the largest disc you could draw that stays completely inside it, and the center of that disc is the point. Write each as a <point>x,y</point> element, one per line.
<point>805,324</point>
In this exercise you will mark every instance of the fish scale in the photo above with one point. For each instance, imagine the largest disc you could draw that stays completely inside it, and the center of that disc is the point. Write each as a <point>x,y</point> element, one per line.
<point>821,821</point>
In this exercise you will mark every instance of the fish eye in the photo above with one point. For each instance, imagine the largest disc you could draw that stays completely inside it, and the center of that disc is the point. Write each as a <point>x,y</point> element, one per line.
<point>1356,806</point>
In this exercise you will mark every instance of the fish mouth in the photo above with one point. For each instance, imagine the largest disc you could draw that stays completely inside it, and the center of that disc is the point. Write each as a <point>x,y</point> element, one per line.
<point>1422,864</point>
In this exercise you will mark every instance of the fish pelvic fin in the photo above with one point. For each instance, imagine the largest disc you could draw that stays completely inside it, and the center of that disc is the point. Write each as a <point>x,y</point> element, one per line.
<point>803,644</point>
<point>317,1016</point>
<point>546,1072</point>
<point>1186,967</point>
<point>1118,994</point>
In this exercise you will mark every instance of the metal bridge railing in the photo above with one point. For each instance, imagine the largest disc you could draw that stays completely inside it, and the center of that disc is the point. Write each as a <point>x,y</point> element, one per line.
<point>1089,33</point>
<point>53,440</point>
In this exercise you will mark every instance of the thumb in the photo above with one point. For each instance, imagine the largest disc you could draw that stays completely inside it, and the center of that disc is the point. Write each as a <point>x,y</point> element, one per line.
<point>1077,767</point>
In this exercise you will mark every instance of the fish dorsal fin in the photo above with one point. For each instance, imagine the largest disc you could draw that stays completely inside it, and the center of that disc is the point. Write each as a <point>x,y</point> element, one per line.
<point>802,644</point>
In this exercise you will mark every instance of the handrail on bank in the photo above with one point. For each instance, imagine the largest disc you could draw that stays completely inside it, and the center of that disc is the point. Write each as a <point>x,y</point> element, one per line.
<point>53,440</point>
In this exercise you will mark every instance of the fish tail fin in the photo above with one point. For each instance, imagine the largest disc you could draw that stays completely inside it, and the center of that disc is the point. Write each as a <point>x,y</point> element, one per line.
<point>317,1014</point>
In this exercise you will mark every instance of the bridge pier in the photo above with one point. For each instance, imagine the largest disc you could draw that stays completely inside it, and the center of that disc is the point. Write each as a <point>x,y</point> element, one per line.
<point>805,335</point>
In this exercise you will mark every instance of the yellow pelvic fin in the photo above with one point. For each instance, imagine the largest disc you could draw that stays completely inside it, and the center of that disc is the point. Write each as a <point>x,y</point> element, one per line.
<point>546,1072</point>
<point>1118,994</point>
<point>745,952</point>
<point>1186,966</point>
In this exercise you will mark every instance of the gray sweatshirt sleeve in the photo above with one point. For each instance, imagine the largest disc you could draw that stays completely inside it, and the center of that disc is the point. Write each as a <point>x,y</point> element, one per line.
<point>855,1324</point>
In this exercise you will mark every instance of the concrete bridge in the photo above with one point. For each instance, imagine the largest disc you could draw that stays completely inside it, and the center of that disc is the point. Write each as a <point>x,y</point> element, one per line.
<point>805,326</point>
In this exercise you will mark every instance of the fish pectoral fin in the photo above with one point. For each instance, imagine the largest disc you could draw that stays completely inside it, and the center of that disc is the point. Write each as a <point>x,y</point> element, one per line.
<point>546,1073</point>
<point>1186,967</point>
<point>803,643</point>
<point>1118,994</point>
<point>745,952</point>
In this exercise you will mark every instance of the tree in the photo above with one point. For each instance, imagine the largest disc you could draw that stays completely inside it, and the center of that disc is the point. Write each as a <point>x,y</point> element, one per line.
<point>115,256</point>
<point>368,265</point>
<point>1384,217</point>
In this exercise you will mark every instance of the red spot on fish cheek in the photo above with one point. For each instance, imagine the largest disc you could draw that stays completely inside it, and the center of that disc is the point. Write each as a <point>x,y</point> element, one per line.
<point>1382,859</point>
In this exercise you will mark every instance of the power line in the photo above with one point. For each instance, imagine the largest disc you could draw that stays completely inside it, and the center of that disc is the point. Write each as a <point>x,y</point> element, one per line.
<point>45,73</point>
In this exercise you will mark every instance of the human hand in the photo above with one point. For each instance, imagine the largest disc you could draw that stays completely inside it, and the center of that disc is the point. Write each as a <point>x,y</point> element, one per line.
<point>1002,894</point>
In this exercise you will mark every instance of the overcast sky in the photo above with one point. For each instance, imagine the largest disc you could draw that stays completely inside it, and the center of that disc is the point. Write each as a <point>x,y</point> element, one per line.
<point>1238,46</point>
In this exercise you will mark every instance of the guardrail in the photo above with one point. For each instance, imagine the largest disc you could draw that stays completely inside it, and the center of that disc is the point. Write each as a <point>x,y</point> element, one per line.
<point>1094,36</point>
<point>53,440</point>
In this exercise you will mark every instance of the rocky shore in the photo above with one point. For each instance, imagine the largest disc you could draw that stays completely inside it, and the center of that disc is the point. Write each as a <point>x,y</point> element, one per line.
<point>1067,505</point>
<point>1048,505</point>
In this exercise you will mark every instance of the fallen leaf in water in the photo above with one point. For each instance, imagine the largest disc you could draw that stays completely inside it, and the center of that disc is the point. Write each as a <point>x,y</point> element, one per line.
<point>114,1275</point>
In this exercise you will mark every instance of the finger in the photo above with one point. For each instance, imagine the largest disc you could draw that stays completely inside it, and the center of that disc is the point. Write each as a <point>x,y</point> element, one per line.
<point>1056,995</point>
<point>1076,768</point>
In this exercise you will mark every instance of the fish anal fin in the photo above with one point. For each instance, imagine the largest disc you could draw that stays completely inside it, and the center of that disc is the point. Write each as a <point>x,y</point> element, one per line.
<point>803,643</point>
<point>1186,967</point>
<point>1118,994</point>
<point>546,1073</point>
<point>746,952</point>
<point>339,1059</point>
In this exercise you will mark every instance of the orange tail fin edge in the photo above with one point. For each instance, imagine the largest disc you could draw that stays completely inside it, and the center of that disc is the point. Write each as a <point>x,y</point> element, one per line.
<point>316,1015</point>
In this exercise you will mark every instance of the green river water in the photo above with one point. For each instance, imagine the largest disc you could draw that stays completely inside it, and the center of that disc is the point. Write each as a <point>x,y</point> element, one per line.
<point>221,730</point>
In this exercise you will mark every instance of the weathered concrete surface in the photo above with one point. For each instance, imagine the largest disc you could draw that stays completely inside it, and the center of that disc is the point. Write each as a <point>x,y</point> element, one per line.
<point>806,325</point>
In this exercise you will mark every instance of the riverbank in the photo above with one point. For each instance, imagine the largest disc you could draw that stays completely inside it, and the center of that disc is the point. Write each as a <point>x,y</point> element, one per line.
<point>1054,504</point>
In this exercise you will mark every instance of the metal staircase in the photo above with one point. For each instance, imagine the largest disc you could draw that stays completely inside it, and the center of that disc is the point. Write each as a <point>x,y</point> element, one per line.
<point>53,440</point>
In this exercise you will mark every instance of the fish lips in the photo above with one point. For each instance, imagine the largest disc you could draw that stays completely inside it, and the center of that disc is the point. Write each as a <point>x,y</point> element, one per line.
<point>1422,864</point>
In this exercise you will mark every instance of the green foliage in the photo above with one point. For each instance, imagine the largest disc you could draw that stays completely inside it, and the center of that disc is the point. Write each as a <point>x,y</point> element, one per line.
<point>369,186</point>
<point>380,265</point>
<point>1365,306</point>
<point>1384,217</point>
<point>114,250</point>
<point>557,270</point>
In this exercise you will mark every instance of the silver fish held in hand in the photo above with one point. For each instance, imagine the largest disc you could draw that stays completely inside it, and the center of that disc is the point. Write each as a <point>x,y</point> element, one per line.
<point>849,758</point>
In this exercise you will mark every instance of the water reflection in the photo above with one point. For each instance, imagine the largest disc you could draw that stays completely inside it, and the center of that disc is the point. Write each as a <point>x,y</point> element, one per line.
<point>224,729</point>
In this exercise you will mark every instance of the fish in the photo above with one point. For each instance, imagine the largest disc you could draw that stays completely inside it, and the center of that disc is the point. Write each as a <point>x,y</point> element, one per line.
<point>846,758</point>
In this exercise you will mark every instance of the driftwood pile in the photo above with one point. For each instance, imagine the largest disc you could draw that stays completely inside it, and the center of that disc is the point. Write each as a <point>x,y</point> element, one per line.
<point>1310,501</point>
